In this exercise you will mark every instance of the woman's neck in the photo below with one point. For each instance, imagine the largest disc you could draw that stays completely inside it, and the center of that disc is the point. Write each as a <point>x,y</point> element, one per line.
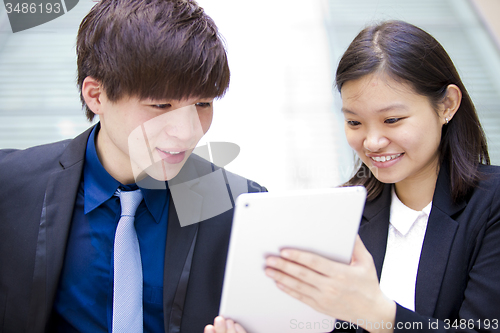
<point>416,193</point>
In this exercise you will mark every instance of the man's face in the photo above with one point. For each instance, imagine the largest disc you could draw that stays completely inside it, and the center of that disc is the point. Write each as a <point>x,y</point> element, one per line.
<point>140,137</point>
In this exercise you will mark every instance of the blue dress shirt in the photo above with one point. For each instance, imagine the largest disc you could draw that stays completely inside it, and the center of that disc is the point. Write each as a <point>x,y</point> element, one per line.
<point>84,299</point>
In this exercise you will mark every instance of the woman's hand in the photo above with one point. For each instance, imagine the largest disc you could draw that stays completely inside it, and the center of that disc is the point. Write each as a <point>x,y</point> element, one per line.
<point>346,292</point>
<point>222,325</point>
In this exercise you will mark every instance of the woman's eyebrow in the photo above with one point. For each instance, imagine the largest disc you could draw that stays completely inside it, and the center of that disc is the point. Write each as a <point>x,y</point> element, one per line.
<point>398,106</point>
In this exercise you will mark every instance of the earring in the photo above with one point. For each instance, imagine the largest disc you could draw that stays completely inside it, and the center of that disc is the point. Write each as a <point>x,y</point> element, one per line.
<point>447,121</point>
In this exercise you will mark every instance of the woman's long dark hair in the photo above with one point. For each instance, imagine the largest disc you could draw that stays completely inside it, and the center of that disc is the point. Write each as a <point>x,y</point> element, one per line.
<point>408,54</point>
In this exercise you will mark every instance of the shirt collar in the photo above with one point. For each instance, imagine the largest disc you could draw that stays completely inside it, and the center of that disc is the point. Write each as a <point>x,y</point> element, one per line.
<point>156,201</point>
<point>403,217</point>
<point>99,186</point>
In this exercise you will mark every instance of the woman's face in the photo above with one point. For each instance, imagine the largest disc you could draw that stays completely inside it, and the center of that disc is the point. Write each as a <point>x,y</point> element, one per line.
<point>395,131</point>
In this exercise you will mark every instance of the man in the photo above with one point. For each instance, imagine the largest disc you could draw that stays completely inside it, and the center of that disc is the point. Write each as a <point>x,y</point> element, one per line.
<point>150,70</point>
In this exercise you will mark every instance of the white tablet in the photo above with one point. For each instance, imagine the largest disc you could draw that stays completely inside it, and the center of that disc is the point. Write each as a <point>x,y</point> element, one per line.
<point>321,221</point>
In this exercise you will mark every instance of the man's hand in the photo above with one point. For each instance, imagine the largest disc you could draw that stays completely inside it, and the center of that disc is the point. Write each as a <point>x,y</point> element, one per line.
<point>222,325</point>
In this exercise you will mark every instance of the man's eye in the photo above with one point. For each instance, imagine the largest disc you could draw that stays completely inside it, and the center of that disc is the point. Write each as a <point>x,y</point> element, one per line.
<point>204,104</point>
<point>161,106</point>
<point>392,120</point>
<point>353,123</point>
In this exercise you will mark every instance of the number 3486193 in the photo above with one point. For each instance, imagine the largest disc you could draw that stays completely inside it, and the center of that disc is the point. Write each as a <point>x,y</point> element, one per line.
<point>32,8</point>
<point>471,324</point>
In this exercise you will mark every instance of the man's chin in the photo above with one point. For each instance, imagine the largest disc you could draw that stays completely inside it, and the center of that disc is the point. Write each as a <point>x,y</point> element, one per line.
<point>160,172</point>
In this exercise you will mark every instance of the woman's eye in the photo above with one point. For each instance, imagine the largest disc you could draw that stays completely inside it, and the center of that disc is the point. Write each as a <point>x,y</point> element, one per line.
<point>204,104</point>
<point>353,123</point>
<point>392,120</point>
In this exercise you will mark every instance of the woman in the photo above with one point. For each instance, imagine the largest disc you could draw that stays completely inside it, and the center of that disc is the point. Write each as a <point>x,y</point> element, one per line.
<point>431,223</point>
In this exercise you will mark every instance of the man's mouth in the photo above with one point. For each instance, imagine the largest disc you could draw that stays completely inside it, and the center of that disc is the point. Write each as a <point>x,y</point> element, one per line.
<point>170,152</point>
<point>172,156</point>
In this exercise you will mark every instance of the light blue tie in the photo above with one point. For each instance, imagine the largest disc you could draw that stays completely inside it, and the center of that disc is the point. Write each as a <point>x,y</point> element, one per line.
<point>127,288</point>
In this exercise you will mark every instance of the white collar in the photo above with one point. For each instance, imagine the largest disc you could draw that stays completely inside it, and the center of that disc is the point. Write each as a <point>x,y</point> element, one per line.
<point>403,217</point>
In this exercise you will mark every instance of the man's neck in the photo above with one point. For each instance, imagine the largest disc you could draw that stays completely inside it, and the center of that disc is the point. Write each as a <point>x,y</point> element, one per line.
<point>114,161</point>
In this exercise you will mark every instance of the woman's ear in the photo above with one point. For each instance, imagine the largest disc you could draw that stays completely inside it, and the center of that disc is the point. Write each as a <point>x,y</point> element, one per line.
<point>92,94</point>
<point>451,102</point>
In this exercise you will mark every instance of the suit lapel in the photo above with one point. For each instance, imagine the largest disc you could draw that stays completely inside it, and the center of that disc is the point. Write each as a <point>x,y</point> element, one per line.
<point>180,242</point>
<point>375,226</point>
<point>55,222</point>
<point>191,192</point>
<point>439,236</point>
<point>188,203</point>
<point>178,255</point>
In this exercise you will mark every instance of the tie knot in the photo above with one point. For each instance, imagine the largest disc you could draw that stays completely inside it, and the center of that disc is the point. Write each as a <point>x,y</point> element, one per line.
<point>129,201</point>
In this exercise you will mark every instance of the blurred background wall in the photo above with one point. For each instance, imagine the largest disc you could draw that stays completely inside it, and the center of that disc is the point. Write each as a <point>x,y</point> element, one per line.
<point>281,108</point>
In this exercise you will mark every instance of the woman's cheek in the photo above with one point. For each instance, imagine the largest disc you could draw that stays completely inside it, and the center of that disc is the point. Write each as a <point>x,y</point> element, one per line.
<point>354,140</point>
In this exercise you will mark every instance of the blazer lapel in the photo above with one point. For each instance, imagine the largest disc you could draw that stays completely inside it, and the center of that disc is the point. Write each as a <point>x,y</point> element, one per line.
<point>200,191</point>
<point>440,233</point>
<point>192,194</point>
<point>439,236</point>
<point>55,222</point>
<point>375,226</point>
<point>180,241</point>
<point>178,256</point>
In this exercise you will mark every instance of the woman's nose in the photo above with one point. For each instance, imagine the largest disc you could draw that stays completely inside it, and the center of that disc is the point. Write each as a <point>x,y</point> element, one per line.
<point>375,141</point>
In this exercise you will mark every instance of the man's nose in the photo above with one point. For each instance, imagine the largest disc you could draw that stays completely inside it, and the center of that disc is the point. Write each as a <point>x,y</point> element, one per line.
<point>183,123</point>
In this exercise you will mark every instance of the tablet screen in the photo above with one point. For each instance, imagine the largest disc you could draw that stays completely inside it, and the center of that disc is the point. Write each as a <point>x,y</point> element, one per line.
<point>322,221</point>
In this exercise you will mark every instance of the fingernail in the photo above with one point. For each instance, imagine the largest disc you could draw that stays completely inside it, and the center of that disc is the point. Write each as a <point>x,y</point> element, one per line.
<point>285,253</point>
<point>271,261</point>
<point>270,272</point>
<point>219,323</point>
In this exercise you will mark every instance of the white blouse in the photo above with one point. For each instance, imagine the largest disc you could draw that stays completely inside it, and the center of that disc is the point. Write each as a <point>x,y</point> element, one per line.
<point>404,245</point>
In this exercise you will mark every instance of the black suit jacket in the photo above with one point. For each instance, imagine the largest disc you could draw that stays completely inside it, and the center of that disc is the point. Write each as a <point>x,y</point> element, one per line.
<point>459,270</point>
<point>37,195</point>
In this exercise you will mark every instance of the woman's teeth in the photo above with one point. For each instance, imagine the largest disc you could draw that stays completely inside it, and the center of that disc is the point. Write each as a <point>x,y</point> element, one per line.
<point>385,158</point>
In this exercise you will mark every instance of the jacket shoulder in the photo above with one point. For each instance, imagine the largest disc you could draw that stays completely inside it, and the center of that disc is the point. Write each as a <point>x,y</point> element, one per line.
<point>37,161</point>
<point>252,186</point>
<point>204,167</point>
<point>492,171</point>
<point>31,160</point>
<point>489,182</point>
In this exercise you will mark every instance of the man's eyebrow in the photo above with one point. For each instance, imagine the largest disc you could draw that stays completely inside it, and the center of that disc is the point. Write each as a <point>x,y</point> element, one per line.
<point>391,107</point>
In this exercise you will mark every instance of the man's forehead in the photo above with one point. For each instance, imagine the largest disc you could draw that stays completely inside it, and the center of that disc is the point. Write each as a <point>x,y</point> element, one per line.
<point>193,99</point>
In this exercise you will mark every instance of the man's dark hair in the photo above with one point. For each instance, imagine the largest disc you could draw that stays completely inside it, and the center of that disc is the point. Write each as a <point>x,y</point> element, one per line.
<point>157,49</point>
<point>410,55</point>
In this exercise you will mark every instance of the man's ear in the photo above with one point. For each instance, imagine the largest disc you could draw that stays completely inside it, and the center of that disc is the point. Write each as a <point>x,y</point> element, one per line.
<point>451,102</point>
<point>92,93</point>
